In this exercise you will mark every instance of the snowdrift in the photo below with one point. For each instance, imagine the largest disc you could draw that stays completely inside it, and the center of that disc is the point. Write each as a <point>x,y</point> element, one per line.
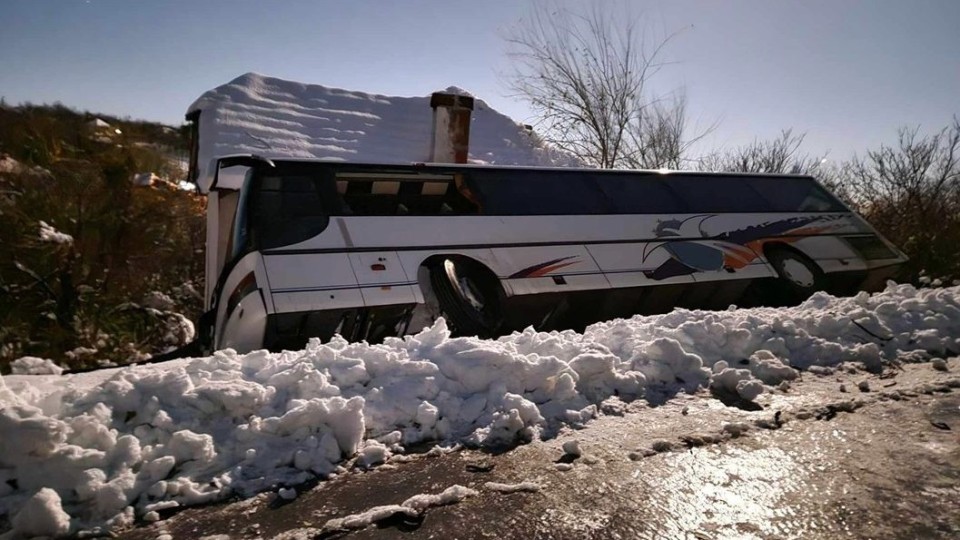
<point>105,448</point>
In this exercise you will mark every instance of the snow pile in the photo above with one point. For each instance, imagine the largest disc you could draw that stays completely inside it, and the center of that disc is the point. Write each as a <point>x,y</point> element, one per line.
<point>116,445</point>
<point>31,365</point>
<point>49,234</point>
<point>276,118</point>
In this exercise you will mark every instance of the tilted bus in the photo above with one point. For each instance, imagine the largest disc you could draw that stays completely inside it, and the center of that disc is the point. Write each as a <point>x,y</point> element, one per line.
<point>315,248</point>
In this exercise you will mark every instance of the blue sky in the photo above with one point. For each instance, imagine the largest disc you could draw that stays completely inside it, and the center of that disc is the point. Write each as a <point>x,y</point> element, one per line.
<point>847,73</point>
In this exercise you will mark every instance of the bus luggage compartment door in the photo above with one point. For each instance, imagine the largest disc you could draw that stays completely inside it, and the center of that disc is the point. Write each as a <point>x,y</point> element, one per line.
<point>382,279</point>
<point>311,282</point>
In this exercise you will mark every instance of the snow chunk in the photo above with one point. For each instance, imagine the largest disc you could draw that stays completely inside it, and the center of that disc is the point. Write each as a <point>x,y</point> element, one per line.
<point>41,515</point>
<point>31,365</point>
<point>528,487</point>
<point>572,448</point>
<point>145,179</point>
<point>49,234</point>
<point>451,495</point>
<point>413,506</point>
<point>737,382</point>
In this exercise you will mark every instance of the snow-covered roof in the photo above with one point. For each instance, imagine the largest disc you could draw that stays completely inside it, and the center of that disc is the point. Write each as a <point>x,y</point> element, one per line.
<point>276,118</point>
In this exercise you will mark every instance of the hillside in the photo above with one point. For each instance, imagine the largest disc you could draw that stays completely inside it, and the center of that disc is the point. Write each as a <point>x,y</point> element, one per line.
<point>100,247</point>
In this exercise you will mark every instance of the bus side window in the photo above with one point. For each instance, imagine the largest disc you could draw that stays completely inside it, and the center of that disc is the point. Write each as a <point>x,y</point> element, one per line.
<point>645,194</point>
<point>718,194</point>
<point>537,192</point>
<point>791,194</point>
<point>461,199</point>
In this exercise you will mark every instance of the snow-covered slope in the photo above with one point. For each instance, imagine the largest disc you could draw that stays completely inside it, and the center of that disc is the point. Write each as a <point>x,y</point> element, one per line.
<point>277,118</point>
<point>119,444</point>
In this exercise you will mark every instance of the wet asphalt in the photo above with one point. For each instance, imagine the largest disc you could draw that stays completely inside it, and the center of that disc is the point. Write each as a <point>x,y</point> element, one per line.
<point>812,461</point>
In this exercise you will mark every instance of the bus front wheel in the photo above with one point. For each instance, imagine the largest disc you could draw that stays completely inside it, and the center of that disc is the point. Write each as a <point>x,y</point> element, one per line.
<point>470,297</point>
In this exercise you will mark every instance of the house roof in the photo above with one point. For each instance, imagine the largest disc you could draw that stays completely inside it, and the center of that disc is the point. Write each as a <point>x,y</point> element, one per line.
<point>276,118</point>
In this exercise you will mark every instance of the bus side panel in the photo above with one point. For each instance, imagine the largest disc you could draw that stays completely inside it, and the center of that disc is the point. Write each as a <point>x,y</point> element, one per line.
<point>540,269</point>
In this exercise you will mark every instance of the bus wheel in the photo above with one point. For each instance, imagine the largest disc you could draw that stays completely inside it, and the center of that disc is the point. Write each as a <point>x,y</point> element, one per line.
<point>799,275</point>
<point>470,297</point>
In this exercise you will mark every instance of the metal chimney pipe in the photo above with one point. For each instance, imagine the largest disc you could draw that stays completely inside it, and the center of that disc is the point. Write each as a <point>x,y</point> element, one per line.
<point>451,127</point>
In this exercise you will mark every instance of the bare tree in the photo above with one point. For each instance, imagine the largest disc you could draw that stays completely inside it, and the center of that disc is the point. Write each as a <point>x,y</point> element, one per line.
<point>659,136</point>
<point>911,192</point>
<point>777,156</point>
<point>586,76</point>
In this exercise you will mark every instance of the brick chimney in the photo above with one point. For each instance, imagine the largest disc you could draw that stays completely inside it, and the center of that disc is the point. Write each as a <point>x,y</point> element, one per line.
<point>451,127</point>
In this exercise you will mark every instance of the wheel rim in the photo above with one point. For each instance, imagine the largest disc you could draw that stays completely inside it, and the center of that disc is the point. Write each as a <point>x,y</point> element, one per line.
<point>797,272</point>
<point>471,294</point>
<point>467,288</point>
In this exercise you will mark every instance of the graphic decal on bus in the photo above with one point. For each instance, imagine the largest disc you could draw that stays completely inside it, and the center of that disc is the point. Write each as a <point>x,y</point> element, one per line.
<point>544,268</point>
<point>729,251</point>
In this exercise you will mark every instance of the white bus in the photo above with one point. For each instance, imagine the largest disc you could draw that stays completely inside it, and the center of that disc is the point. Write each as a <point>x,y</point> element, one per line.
<point>315,248</point>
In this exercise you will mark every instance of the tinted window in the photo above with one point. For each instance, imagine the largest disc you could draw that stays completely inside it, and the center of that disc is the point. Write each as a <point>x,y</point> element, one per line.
<point>530,192</point>
<point>785,194</point>
<point>717,194</point>
<point>290,209</point>
<point>639,195</point>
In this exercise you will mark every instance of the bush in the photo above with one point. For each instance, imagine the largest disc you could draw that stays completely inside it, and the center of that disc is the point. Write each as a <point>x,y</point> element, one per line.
<point>73,284</point>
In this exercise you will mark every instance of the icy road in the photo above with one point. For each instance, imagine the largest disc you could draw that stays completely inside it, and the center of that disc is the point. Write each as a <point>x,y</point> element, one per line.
<point>834,417</point>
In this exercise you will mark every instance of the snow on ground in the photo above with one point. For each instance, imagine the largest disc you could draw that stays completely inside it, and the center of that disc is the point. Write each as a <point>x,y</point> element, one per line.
<point>50,234</point>
<point>119,444</point>
<point>276,118</point>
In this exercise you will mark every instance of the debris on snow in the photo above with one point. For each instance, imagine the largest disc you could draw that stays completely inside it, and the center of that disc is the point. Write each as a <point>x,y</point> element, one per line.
<point>563,467</point>
<point>287,494</point>
<point>864,385</point>
<point>939,364</point>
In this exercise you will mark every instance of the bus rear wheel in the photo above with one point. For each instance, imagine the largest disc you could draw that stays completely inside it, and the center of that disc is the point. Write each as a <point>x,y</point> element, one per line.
<point>470,297</point>
<point>799,276</point>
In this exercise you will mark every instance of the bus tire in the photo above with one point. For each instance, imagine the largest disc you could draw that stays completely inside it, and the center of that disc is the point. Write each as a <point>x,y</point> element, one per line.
<point>470,297</point>
<point>798,275</point>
